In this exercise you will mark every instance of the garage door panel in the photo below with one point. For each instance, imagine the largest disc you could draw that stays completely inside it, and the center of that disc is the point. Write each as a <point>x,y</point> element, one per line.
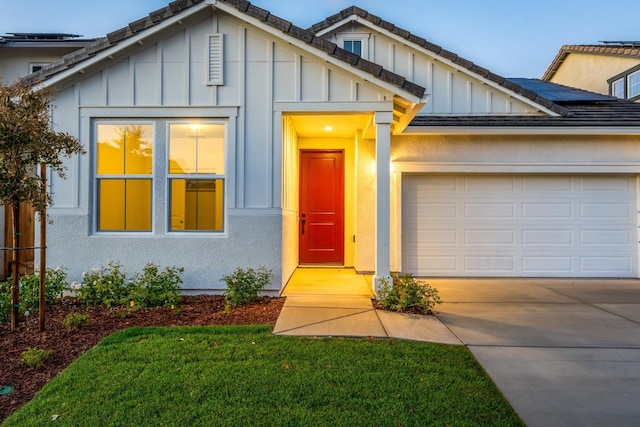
<point>605,210</point>
<point>547,226</point>
<point>537,236</point>
<point>536,265</point>
<point>547,210</point>
<point>489,210</point>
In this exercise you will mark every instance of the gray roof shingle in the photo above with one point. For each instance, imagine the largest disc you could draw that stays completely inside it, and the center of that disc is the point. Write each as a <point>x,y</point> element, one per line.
<point>438,50</point>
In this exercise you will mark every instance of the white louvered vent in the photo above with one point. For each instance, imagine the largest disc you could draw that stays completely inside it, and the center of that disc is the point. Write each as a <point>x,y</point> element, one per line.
<point>215,75</point>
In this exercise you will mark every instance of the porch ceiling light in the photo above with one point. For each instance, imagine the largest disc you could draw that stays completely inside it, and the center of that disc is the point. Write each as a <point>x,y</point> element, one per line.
<point>328,128</point>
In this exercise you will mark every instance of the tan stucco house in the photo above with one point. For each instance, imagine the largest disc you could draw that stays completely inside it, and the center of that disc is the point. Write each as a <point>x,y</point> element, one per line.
<point>219,135</point>
<point>611,68</point>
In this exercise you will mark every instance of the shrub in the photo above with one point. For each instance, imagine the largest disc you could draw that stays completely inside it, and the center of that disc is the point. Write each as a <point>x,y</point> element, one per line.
<point>56,284</point>
<point>155,288</point>
<point>106,286</point>
<point>34,357</point>
<point>243,285</point>
<point>405,292</point>
<point>75,320</point>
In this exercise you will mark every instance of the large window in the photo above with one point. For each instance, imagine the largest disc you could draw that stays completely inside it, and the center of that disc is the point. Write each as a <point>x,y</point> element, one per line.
<point>196,177</point>
<point>124,176</point>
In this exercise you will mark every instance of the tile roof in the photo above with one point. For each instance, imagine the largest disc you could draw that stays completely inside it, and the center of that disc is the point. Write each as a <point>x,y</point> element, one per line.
<point>625,49</point>
<point>179,6</point>
<point>439,51</point>
<point>583,109</point>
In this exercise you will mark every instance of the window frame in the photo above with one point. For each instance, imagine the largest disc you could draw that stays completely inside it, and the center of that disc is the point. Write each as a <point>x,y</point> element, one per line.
<point>363,38</point>
<point>624,76</point>
<point>98,177</point>
<point>168,177</point>
<point>637,85</point>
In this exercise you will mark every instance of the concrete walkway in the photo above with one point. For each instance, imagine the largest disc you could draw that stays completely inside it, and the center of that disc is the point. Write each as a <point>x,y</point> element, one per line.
<point>563,352</point>
<point>337,302</point>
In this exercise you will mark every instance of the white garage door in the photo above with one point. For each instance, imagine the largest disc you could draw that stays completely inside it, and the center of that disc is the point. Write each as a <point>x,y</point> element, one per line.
<point>525,225</point>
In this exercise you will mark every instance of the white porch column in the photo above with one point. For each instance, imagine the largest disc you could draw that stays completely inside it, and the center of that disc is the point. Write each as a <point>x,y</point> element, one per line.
<point>383,196</point>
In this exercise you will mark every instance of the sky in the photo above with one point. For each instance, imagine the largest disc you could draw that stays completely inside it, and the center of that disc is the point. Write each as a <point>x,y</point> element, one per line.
<point>512,38</point>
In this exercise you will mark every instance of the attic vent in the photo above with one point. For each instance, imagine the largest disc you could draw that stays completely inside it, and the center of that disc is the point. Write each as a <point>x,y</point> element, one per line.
<point>216,55</point>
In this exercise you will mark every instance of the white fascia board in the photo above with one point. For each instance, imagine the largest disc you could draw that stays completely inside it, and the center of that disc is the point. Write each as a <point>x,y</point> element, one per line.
<point>318,53</point>
<point>438,58</point>
<point>124,44</point>
<point>352,18</point>
<point>520,130</point>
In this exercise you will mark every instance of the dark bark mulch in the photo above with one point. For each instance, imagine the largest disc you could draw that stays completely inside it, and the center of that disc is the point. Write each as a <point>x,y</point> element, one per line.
<point>67,345</point>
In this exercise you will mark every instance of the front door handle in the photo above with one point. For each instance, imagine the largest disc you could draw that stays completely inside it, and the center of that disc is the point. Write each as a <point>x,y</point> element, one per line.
<point>304,221</point>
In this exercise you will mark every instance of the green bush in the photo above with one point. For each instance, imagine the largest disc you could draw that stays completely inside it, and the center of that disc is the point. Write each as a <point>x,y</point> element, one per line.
<point>75,320</point>
<point>107,286</point>
<point>154,288</point>
<point>243,285</point>
<point>56,284</point>
<point>405,292</point>
<point>34,357</point>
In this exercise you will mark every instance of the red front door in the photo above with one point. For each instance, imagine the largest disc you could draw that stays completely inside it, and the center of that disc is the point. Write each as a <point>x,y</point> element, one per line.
<point>321,224</point>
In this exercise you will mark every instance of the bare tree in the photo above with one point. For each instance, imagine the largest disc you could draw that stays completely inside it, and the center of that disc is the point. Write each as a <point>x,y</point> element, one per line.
<point>26,141</point>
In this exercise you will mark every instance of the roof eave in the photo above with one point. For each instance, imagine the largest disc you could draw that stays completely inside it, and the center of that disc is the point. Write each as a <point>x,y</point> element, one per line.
<point>521,130</point>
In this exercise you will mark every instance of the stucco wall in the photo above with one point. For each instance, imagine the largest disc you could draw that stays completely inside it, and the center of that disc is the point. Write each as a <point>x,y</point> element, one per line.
<point>254,239</point>
<point>591,72</point>
<point>366,199</point>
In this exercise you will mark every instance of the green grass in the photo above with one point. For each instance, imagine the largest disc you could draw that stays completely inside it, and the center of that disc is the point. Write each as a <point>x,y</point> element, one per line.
<point>243,376</point>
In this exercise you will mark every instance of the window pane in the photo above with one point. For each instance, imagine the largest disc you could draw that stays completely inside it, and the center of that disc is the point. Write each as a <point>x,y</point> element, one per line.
<point>196,148</point>
<point>617,88</point>
<point>124,204</point>
<point>197,204</point>
<point>124,149</point>
<point>634,84</point>
<point>354,46</point>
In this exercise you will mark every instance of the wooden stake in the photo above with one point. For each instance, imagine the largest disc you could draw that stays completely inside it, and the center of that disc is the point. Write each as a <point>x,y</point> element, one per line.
<point>43,253</point>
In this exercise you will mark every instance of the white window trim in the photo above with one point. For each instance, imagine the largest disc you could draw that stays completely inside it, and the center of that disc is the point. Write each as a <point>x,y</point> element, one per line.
<point>362,37</point>
<point>167,178</point>
<point>89,115</point>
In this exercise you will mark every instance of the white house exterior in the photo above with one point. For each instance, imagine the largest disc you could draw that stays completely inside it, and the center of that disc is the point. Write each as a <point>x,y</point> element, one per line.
<point>252,141</point>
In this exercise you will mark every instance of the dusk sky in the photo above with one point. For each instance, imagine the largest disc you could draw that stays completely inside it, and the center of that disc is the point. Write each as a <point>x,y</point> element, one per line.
<point>513,38</point>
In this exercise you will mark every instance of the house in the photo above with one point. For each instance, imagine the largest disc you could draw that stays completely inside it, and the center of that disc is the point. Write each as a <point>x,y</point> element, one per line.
<point>26,53</point>
<point>611,68</point>
<point>219,135</point>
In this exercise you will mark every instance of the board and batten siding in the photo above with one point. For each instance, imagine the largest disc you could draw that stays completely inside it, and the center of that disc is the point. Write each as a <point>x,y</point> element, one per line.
<point>450,91</point>
<point>167,78</point>
<point>258,71</point>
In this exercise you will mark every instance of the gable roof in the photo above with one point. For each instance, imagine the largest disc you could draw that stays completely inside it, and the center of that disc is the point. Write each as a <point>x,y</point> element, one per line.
<point>626,49</point>
<point>584,109</point>
<point>178,7</point>
<point>353,13</point>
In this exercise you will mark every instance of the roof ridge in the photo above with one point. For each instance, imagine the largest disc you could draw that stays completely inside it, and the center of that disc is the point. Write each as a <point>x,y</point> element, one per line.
<point>438,50</point>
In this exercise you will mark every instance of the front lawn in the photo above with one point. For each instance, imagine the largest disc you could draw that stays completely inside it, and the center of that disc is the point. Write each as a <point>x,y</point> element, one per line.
<point>243,376</point>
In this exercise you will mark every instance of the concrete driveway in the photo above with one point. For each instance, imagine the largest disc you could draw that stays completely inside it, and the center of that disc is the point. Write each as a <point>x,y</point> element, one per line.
<point>563,352</point>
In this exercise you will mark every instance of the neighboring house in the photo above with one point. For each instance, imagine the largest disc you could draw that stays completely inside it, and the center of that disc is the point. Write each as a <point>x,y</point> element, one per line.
<point>26,53</point>
<point>219,135</point>
<point>612,68</point>
<point>22,54</point>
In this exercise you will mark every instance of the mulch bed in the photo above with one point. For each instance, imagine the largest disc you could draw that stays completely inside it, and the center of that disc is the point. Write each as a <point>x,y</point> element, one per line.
<point>67,345</point>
